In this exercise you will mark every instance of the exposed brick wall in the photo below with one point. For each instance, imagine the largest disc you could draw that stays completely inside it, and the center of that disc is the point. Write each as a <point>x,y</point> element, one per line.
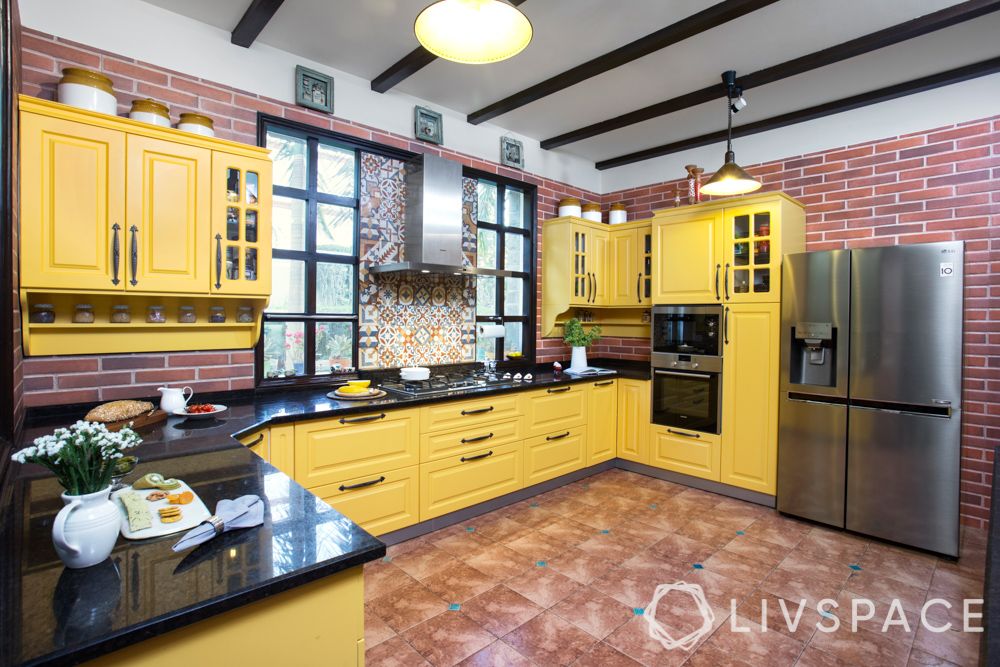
<point>937,185</point>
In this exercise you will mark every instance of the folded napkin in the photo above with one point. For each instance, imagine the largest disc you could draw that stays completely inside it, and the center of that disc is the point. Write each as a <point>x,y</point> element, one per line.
<point>244,512</point>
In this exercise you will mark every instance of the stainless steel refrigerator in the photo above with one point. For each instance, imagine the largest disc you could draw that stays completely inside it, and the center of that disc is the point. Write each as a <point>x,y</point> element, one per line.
<point>870,417</point>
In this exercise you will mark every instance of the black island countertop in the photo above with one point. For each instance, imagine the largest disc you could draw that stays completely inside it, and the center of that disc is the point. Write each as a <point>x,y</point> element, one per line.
<point>55,616</point>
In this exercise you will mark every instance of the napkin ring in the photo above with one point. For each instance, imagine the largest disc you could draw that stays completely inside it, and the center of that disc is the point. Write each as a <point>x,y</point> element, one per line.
<point>216,522</point>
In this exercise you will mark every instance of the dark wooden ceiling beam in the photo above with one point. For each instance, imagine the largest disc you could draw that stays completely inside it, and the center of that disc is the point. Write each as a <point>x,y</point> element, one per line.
<point>922,25</point>
<point>408,65</point>
<point>690,26</point>
<point>956,75</point>
<point>254,19</point>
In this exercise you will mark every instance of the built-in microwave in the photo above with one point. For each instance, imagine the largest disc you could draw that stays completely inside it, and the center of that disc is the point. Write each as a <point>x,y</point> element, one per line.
<point>690,330</point>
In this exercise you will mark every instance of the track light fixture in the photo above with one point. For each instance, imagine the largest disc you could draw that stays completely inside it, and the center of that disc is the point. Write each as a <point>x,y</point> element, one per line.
<point>731,179</point>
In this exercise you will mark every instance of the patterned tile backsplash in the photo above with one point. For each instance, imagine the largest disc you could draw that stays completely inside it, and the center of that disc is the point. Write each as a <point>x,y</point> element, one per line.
<point>410,319</point>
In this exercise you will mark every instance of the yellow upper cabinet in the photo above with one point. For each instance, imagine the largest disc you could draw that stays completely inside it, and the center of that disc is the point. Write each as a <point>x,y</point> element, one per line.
<point>72,205</point>
<point>241,230</point>
<point>726,251</point>
<point>631,267</point>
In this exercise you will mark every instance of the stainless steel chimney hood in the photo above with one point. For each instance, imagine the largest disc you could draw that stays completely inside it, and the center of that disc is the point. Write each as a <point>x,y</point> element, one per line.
<point>433,221</point>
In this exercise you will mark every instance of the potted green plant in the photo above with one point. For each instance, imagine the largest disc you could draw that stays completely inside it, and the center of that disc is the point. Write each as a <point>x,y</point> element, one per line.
<point>576,337</point>
<point>83,458</point>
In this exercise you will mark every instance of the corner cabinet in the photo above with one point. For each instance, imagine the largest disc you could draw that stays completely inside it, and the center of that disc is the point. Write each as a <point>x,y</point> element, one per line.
<point>119,212</point>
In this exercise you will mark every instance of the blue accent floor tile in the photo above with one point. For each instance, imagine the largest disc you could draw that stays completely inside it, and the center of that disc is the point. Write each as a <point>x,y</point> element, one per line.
<point>534,505</point>
<point>605,531</point>
<point>652,506</point>
<point>540,563</point>
<point>740,532</point>
<point>856,568</point>
<point>387,559</point>
<point>454,607</point>
<point>470,529</point>
<point>638,611</point>
<point>698,566</point>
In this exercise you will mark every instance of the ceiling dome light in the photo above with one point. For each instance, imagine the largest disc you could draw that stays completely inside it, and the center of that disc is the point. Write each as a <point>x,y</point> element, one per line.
<point>731,179</point>
<point>473,32</point>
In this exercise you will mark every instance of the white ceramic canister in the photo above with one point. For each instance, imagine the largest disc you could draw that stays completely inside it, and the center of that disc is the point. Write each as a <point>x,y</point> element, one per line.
<point>592,212</point>
<point>150,111</point>
<point>85,89</point>
<point>195,123</point>
<point>617,214</point>
<point>86,528</point>
<point>569,206</point>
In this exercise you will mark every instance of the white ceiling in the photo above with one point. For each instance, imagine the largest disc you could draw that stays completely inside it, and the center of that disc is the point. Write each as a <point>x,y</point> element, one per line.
<point>365,38</point>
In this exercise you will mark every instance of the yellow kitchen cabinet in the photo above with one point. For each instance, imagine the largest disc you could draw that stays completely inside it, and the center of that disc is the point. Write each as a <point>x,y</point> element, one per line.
<point>457,482</point>
<point>553,409</point>
<point>470,413</point>
<point>630,267</point>
<point>444,444</point>
<point>683,451</point>
<point>331,450</point>
<point>577,256</point>
<point>378,503</point>
<point>257,442</point>
<point>168,202</point>
<point>72,205</point>
<point>549,456</point>
<point>633,420</point>
<point>602,421</point>
<point>688,251</point>
<point>241,230</point>
<point>281,448</point>
<point>750,396</point>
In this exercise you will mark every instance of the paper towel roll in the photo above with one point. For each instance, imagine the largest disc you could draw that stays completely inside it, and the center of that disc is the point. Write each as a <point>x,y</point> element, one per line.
<point>490,331</point>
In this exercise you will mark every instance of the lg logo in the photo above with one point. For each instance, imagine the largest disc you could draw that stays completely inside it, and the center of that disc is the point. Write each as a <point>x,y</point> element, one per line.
<point>947,269</point>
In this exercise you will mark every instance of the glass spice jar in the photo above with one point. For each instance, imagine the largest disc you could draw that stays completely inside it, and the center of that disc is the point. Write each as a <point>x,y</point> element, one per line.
<point>84,314</point>
<point>217,314</point>
<point>121,314</point>
<point>42,313</point>
<point>244,314</point>
<point>155,315</point>
<point>186,315</point>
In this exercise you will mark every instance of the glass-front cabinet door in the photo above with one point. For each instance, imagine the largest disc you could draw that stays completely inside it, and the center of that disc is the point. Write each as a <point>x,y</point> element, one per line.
<point>241,230</point>
<point>646,266</point>
<point>583,282</point>
<point>753,262</point>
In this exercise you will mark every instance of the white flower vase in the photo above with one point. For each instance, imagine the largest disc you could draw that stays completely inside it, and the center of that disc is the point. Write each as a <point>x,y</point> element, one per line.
<point>86,528</point>
<point>578,362</point>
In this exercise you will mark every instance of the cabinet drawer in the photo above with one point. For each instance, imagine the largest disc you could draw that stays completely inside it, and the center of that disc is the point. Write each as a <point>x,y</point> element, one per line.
<point>549,456</point>
<point>460,441</point>
<point>378,503</point>
<point>451,484</point>
<point>344,448</point>
<point>257,443</point>
<point>467,413</point>
<point>554,409</point>
<point>687,452</point>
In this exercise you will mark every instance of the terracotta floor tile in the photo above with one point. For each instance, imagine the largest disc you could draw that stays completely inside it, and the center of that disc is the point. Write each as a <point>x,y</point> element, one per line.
<point>598,518</point>
<point>945,583</point>
<point>861,647</point>
<point>461,542</point>
<point>794,587</point>
<point>702,500</point>
<point>408,545</point>
<point>543,586</point>
<point>871,585</point>
<point>919,658</point>
<point>756,647</point>
<point>634,641</point>
<point>940,613</point>
<point>566,506</point>
<point>498,562</point>
<point>609,547</point>
<point>736,566</point>
<point>733,517</point>
<point>549,640</point>
<point>631,588</point>
<point>907,568</point>
<point>458,583</point>
<point>961,648</point>
<point>423,561</point>
<point>538,546</point>
<point>971,563</point>
<point>569,532</point>
<point>498,528</point>
<point>720,590</point>
<point>659,516</point>
<point>382,578</point>
<point>580,566</point>
<point>603,655</point>
<point>833,572</point>
<point>497,654</point>
<point>501,610</point>
<point>642,534</point>
<point>776,531</point>
<point>407,606</point>
<point>813,657</point>
<point>593,612</point>
<point>849,602</point>
<point>448,638</point>
<point>789,618</point>
<point>376,630</point>
<point>530,516</point>
<point>833,544</point>
<point>758,550</point>
<point>394,653</point>
<point>702,531</point>
<point>657,566</point>
<point>683,549</point>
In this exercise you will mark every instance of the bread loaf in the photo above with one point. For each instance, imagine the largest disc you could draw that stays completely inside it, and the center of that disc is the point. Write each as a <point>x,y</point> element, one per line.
<point>118,410</point>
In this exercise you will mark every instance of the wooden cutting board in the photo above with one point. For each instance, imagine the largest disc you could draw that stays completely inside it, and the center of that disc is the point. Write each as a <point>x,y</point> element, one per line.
<point>142,421</point>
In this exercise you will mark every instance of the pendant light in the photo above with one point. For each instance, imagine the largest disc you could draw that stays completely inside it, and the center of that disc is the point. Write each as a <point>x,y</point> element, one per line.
<point>731,178</point>
<point>473,32</point>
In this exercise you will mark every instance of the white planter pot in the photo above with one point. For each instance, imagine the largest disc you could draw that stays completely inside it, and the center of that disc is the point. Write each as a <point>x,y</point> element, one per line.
<point>578,362</point>
<point>86,528</point>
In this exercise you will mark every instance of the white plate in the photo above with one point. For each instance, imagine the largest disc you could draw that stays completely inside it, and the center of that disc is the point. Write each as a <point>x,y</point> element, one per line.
<point>191,514</point>
<point>201,415</point>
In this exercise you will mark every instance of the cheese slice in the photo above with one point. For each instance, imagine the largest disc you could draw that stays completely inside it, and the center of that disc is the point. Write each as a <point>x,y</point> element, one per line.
<point>139,516</point>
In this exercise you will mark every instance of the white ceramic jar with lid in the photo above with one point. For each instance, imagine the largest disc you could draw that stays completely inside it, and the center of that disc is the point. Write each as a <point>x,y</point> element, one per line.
<point>196,123</point>
<point>569,206</point>
<point>86,89</point>
<point>150,111</point>
<point>617,215</point>
<point>592,212</point>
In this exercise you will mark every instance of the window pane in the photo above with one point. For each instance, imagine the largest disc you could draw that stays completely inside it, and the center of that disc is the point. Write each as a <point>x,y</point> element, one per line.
<point>334,288</point>
<point>513,340</point>
<point>513,208</point>
<point>288,224</point>
<point>334,229</point>
<point>289,156</point>
<point>486,348</point>
<point>335,171</point>
<point>334,346</point>
<point>284,349</point>
<point>486,253</point>
<point>487,201</point>
<point>288,286</point>
<point>513,252</point>
<point>513,296</point>
<point>486,295</point>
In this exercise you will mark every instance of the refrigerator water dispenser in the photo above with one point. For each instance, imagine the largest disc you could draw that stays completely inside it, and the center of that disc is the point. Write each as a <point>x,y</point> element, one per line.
<point>813,354</point>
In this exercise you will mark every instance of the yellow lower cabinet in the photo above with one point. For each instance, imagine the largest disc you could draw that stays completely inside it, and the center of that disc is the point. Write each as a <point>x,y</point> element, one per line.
<point>331,450</point>
<point>281,448</point>
<point>549,456</point>
<point>683,451</point>
<point>633,420</point>
<point>257,443</point>
<point>554,409</point>
<point>434,446</point>
<point>456,414</point>
<point>602,421</point>
<point>378,503</point>
<point>460,481</point>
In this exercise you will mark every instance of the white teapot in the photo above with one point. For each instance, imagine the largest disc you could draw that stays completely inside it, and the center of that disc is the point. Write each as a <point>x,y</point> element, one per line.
<point>172,400</point>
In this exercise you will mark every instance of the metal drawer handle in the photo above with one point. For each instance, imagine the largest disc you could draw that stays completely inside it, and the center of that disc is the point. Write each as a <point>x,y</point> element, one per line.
<point>478,438</point>
<point>725,281</point>
<point>557,437</point>
<point>361,485</point>
<point>260,439</point>
<point>116,253</point>
<point>638,294</point>
<point>477,457</point>
<point>134,254</point>
<point>218,261</point>
<point>558,391</point>
<point>361,420</point>
<point>702,376</point>
<point>725,325</point>
<point>479,411</point>
<point>686,435</point>
<point>717,267</point>
<point>604,384</point>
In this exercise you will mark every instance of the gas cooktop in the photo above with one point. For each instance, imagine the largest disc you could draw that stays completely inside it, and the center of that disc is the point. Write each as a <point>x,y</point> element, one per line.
<point>446,383</point>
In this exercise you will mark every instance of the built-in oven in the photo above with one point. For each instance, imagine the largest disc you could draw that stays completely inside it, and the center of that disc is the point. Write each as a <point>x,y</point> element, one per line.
<point>687,368</point>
